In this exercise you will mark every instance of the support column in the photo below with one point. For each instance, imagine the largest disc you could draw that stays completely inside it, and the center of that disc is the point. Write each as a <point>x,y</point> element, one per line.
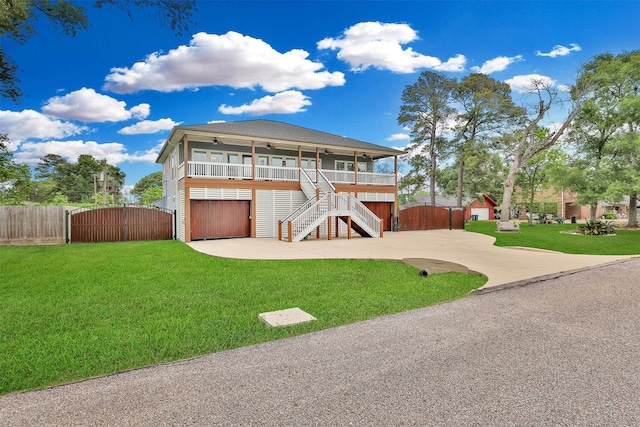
<point>349,227</point>
<point>337,227</point>
<point>329,228</point>
<point>187,192</point>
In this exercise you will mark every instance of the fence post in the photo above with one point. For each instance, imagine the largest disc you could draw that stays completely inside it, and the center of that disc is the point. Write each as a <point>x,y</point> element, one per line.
<point>67,229</point>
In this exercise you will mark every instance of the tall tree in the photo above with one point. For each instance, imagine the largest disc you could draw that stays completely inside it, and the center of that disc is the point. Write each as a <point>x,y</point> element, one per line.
<point>15,179</point>
<point>523,144</point>
<point>614,89</point>
<point>485,107</point>
<point>427,110</point>
<point>17,17</point>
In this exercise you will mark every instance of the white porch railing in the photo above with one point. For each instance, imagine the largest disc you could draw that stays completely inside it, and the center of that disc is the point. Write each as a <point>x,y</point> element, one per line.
<point>277,173</point>
<point>219,170</point>
<point>280,173</point>
<point>340,177</point>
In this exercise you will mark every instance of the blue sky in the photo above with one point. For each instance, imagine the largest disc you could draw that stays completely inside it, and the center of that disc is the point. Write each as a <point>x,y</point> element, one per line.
<point>116,90</point>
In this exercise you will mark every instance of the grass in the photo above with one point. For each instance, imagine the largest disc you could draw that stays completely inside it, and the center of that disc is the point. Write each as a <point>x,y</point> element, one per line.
<point>549,236</point>
<point>71,312</point>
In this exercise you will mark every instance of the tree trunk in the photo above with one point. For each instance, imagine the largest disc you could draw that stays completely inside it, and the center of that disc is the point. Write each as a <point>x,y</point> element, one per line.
<point>592,211</point>
<point>531,209</point>
<point>505,207</point>
<point>460,180</point>
<point>633,210</point>
<point>432,183</point>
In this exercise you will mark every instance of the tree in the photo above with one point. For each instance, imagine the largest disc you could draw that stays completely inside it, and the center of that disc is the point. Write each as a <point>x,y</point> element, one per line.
<point>484,174</point>
<point>614,93</point>
<point>15,179</point>
<point>522,144</point>
<point>17,16</point>
<point>533,176</point>
<point>80,181</point>
<point>153,180</point>
<point>151,194</point>
<point>427,109</point>
<point>484,108</point>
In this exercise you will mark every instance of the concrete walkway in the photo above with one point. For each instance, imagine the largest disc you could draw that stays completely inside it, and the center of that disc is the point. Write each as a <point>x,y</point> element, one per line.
<point>473,251</point>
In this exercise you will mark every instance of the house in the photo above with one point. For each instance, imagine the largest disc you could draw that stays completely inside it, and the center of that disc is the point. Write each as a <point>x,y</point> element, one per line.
<point>261,178</point>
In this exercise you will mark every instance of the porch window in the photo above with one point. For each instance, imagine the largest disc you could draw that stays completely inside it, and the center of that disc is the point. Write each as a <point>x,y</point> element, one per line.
<point>263,161</point>
<point>290,163</point>
<point>199,156</point>
<point>216,157</point>
<point>344,166</point>
<point>277,161</point>
<point>233,158</point>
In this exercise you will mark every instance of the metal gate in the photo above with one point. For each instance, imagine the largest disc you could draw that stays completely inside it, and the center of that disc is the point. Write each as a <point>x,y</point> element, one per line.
<point>120,224</point>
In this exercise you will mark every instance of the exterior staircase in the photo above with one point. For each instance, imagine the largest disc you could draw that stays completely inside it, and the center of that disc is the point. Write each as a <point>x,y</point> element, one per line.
<point>324,203</point>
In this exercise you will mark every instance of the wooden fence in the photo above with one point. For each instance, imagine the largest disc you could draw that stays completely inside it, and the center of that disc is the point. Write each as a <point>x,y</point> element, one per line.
<point>425,217</point>
<point>32,225</point>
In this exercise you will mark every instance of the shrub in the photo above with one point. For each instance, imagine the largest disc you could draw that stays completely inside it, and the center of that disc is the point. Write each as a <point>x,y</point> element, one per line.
<point>609,215</point>
<point>597,227</point>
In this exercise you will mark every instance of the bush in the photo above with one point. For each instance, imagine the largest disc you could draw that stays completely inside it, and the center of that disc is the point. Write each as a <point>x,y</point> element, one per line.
<point>597,227</point>
<point>609,215</point>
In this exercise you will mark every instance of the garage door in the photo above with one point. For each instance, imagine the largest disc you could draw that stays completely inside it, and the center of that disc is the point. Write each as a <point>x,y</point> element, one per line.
<point>219,219</point>
<point>482,213</point>
<point>383,210</point>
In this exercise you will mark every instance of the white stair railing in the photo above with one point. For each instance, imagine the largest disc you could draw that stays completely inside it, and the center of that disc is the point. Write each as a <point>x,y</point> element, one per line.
<point>308,186</point>
<point>324,184</point>
<point>312,213</point>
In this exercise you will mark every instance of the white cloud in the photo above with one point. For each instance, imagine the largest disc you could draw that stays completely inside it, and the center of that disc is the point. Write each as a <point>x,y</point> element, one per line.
<point>148,126</point>
<point>560,50</point>
<point>87,105</point>
<point>497,64</point>
<point>287,102</point>
<point>228,60</point>
<point>379,45</point>
<point>528,83</point>
<point>30,124</point>
<point>114,152</point>
<point>399,137</point>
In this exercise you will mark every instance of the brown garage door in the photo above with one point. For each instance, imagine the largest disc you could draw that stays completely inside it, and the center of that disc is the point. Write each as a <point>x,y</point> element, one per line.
<point>219,219</point>
<point>383,210</point>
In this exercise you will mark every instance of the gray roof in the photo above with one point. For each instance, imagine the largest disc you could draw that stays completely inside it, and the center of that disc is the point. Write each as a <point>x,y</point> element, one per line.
<point>279,131</point>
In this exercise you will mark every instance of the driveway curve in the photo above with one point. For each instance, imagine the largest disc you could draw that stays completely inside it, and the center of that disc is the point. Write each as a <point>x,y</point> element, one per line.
<point>475,251</point>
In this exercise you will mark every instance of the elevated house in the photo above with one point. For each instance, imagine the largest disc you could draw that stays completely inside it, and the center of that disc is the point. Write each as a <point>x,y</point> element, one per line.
<point>261,178</point>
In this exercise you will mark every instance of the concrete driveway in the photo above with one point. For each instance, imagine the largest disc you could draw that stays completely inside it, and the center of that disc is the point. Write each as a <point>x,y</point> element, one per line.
<point>556,352</point>
<point>474,251</point>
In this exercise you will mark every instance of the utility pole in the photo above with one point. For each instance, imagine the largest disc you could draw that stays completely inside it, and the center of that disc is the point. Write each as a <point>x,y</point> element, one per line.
<point>104,185</point>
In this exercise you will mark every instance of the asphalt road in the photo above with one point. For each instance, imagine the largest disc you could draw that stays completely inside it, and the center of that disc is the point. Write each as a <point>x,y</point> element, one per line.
<point>562,351</point>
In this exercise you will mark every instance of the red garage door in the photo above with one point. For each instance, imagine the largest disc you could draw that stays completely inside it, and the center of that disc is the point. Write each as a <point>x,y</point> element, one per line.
<point>219,219</point>
<point>383,210</point>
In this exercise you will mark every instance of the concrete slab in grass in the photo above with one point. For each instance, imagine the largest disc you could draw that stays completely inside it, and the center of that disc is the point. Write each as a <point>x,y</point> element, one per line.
<point>288,317</point>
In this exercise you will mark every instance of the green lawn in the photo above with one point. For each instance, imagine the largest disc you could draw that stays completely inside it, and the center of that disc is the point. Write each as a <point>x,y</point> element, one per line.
<point>549,236</point>
<point>76,311</point>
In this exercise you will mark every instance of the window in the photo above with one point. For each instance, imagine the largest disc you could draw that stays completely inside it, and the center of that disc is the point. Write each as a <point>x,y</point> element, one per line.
<point>199,156</point>
<point>363,167</point>
<point>290,163</point>
<point>276,161</point>
<point>233,158</point>
<point>344,166</point>
<point>263,161</point>
<point>217,157</point>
